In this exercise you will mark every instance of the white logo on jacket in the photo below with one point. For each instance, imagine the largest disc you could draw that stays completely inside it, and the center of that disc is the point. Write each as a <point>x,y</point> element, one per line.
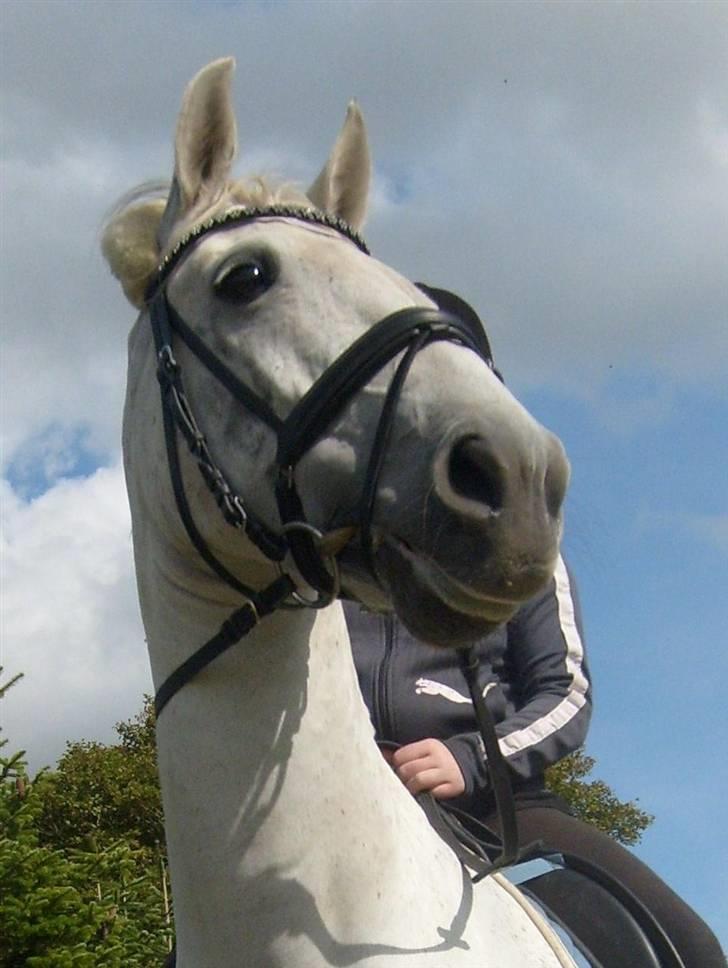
<point>430,687</point>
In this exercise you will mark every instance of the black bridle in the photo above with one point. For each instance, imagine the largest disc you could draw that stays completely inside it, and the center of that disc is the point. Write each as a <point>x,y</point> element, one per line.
<point>405,332</point>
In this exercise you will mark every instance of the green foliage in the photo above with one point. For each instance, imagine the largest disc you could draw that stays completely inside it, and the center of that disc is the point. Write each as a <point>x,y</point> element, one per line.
<point>100,794</point>
<point>83,878</point>
<point>594,802</point>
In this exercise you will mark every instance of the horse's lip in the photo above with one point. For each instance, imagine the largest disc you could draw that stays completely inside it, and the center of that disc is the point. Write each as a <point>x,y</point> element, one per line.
<point>453,593</point>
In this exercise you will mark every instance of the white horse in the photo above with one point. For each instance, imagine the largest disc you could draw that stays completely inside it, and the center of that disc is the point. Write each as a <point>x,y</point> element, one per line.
<point>291,843</point>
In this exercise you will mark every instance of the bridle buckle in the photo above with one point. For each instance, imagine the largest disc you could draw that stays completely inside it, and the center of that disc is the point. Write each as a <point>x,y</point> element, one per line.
<point>330,562</point>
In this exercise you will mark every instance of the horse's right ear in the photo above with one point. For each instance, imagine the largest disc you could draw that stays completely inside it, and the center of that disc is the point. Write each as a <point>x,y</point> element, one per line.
<point>205,144</point>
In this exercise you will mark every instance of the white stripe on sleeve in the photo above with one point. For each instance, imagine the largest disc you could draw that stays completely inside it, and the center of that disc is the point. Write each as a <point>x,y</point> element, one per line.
<point>569,706</point>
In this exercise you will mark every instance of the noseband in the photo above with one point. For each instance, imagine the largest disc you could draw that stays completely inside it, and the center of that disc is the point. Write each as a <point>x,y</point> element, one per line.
<point>405,332</point>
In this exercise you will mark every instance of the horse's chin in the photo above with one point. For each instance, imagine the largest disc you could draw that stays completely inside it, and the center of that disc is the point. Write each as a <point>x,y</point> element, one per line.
<point>435,608</point>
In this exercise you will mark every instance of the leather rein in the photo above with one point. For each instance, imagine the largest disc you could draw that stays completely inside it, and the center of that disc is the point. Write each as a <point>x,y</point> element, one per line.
<point>313,554</point>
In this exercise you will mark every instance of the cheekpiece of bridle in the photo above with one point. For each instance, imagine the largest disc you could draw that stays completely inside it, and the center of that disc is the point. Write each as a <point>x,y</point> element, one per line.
<point>404,332</point>
<point>298,548</point>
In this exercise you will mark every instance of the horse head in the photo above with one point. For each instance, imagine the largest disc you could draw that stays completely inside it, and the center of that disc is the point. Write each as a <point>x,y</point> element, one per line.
<point>355,418</point>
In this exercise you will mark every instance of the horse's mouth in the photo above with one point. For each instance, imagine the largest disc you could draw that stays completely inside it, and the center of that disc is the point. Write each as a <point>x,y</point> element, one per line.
<point>434,606</point>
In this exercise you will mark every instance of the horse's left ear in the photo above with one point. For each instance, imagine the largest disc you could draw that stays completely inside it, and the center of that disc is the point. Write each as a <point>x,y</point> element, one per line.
<point>342,188</point>
<point>205,144</point>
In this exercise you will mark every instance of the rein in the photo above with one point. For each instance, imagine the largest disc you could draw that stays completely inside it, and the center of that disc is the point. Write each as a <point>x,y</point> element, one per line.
<point>406,331</point>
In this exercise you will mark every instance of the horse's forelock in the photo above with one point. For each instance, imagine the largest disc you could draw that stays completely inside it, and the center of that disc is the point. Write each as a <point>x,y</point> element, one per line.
<point>130,234</point>
<point>129,238</point>
<point>257,192</point>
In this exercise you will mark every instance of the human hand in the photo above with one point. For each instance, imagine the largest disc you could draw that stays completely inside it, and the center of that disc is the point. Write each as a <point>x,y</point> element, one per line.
<point>428,766</point>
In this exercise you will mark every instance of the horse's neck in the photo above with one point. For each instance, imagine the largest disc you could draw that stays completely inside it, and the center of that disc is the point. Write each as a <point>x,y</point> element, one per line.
<point>275,796</point>
<point>291,843</point>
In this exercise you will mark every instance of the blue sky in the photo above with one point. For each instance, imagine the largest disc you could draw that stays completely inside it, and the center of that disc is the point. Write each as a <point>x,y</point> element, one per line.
<point>564,167</point>
<point>651,561</point>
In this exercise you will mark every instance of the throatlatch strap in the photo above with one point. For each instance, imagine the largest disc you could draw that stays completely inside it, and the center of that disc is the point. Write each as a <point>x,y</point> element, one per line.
<point>231,631</point>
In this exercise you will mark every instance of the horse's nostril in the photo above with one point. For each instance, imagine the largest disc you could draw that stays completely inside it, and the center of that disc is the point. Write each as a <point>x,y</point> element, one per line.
<point>475,474</point>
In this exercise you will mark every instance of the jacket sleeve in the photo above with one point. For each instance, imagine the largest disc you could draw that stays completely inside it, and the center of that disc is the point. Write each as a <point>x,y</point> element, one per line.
<point>547,688</point>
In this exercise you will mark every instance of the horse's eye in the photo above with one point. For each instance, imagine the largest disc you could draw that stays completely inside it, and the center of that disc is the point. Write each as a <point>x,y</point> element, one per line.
<point>244,282</point>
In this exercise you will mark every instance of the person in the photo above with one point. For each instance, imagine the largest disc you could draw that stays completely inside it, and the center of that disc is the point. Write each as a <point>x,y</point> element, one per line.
<point>536,682</point>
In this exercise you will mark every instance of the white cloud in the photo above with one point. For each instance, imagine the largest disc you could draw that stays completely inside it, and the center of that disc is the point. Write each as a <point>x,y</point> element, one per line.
<point>63,329</point>
<point>565,170</point>
<point>70,618</point>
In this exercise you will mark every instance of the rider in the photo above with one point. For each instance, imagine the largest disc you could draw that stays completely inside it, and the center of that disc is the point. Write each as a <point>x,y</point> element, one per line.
<point>537,688</point>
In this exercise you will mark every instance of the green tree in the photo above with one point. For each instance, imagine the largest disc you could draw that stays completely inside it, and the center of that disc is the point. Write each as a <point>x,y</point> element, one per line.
<point>594,802</point>
<point>99,794</point>
<point>81,898</point>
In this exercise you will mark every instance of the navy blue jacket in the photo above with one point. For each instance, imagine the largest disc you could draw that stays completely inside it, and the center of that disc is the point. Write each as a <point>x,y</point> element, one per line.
<point>535,679</point>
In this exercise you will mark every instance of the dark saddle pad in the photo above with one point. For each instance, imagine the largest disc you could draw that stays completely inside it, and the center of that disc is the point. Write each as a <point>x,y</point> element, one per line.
<point>607,924</point>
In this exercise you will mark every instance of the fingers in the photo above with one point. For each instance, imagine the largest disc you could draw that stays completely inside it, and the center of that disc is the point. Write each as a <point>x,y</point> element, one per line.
<point>432,780</point>
<point>428,765</point>
<point>416,751</point>
<point>446,791</point>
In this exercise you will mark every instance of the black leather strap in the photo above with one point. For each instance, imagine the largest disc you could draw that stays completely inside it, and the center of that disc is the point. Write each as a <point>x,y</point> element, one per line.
<point>598,909</point>
<point>497,767</point>
<point>301,542</point>
<point>379,448</point>
<point>183,507</point>
<point>250,400</point>
<point>231,631</point>
<point>351,371</point>
<point>456,305</point>
<point>178,414</point>
<point>467,850</point>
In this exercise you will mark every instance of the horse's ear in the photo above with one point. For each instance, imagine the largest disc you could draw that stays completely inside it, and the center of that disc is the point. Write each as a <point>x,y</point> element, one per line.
<point>205,143</point>
<point>342,188</point>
